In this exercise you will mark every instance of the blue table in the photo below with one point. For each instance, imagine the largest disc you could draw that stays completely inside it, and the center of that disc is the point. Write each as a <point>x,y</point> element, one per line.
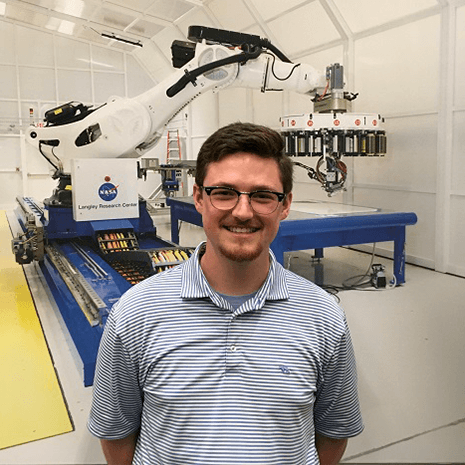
<point>316,225</point>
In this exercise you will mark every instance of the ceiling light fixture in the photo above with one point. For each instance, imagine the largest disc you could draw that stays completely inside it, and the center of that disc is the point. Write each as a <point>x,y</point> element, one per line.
<point>74,8</point>
<point>112,36</point>
<point>66,27</point>
<point>2,8</point>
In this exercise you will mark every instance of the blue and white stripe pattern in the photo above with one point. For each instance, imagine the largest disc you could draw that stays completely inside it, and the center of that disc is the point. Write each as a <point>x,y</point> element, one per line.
<point>206,384</point>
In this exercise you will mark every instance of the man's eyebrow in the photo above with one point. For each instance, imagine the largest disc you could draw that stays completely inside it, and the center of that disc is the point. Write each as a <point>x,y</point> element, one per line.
<point>223,184</point>
<point>260,187</point>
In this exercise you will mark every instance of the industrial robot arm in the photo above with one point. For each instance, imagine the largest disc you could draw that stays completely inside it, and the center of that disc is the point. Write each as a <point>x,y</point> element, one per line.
<point>124,127</point>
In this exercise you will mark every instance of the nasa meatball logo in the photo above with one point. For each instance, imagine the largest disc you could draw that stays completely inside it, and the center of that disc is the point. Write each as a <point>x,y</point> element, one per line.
<point>108,191</point>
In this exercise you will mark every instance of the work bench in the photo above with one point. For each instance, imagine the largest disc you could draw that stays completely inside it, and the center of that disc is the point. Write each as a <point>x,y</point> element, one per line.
<point>318,225</point>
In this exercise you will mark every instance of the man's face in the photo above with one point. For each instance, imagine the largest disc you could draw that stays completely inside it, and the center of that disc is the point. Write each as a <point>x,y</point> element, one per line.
<point>241,234</point>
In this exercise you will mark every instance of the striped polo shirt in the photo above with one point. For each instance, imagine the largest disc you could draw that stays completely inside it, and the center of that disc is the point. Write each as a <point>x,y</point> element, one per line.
<point>204,383</point>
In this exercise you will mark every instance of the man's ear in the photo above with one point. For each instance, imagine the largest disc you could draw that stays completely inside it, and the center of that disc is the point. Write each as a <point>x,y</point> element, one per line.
<point>286,206</point>
<point>198,198</point>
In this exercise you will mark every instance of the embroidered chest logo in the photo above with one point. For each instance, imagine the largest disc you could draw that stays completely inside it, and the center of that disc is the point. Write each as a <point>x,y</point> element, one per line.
<point>286,370</point>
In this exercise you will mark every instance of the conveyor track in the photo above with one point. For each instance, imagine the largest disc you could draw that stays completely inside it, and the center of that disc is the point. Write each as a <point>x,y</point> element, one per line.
<point>87,299</point>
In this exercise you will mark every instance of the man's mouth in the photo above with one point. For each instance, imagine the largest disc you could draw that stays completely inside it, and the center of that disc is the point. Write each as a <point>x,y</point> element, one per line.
<point>241,230</point>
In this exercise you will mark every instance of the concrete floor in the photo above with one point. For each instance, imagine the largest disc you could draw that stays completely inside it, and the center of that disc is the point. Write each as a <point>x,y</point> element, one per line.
<point>410,349</point>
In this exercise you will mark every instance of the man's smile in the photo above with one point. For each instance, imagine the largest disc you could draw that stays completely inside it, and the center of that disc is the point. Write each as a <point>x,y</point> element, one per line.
<point>241,230</point>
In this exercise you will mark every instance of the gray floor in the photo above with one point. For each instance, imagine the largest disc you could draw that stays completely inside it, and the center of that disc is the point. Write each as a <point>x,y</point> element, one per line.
<point>410,347</point>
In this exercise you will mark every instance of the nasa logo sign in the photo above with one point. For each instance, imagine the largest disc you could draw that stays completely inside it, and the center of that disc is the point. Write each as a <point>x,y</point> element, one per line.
<point>108,191</point>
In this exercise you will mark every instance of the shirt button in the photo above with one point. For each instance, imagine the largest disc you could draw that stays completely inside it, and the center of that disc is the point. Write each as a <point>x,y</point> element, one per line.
<point>233,348</point>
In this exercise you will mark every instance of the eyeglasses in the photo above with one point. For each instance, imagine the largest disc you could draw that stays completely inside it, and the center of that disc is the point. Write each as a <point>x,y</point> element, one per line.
<point>226,198</point>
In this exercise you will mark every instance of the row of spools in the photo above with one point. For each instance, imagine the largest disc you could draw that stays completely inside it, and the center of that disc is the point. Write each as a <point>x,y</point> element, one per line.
<point>348,143</point>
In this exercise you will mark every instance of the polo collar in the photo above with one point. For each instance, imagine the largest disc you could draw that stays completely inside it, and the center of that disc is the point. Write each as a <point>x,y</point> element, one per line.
<point>194,285</point>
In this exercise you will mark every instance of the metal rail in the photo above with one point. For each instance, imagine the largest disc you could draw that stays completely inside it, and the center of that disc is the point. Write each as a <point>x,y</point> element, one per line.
<point>87,299</point>
<point>98,271</point>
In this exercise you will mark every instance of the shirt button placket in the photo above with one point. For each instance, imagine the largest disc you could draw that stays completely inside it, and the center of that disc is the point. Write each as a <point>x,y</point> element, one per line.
<point>233,352</point>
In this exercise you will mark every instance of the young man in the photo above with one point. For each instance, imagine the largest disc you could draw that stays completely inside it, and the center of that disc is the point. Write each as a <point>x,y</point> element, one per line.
<point>228,359</point>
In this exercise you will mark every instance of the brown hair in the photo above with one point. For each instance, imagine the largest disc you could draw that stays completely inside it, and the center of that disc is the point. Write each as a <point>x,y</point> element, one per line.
<point>247,138</point>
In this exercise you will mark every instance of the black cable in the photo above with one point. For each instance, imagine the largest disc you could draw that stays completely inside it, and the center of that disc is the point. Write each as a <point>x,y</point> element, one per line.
<point>364,282</point>
<point>274,74</point>
<point>45,156</point>
<point>360,283</point>
<point>190,76</point>
<point>332,290</point>
<point>312,174</point>
<point>265,43</point>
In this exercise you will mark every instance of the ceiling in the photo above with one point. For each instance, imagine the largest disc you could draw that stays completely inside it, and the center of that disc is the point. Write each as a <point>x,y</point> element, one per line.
<point>297,27</point>
<point>136,20</point>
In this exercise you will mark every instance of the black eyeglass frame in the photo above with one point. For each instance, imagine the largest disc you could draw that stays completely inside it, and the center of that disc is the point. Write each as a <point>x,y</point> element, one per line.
<point>281,196</point>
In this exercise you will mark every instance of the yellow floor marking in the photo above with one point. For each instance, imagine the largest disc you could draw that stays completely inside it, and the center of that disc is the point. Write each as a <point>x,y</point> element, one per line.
<point>31,402</point>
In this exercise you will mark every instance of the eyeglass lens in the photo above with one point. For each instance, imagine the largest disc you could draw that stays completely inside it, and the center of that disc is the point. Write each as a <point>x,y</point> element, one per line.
<point>261,201</point>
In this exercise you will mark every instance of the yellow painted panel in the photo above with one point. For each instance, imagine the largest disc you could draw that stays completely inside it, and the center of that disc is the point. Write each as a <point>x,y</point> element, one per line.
<point>31,402</point>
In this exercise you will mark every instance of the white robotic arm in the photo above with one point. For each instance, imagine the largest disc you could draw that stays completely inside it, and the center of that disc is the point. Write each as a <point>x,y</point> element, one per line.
<point>125,127</point>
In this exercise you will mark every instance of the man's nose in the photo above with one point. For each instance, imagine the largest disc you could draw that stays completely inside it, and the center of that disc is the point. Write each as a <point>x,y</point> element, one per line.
<point>243,209</point>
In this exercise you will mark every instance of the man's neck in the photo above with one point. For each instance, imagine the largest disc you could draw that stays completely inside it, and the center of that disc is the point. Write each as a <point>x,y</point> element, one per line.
<point>234,278</point>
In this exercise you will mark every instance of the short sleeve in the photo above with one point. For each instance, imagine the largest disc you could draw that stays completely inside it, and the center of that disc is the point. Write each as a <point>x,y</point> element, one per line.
<point>337,410</point>
<point>117,398</point>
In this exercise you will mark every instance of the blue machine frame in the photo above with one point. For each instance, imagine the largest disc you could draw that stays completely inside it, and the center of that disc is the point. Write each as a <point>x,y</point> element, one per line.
<point>61,228</point>
<point>86,337</point>
<point>301,231</point>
